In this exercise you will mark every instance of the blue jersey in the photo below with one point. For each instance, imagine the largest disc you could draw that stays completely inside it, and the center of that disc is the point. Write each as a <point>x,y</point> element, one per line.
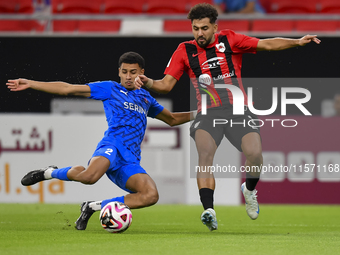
<point>126,113</point>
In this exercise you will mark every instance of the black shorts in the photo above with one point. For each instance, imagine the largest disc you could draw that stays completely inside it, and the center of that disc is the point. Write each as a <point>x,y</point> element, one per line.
<point>220,121</point>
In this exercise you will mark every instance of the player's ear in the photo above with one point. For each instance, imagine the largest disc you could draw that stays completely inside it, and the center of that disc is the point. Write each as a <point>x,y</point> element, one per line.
<point>142,71</point>
<point>215,28</point>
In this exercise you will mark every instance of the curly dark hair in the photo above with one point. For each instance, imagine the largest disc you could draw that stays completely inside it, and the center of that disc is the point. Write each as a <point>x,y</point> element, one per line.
<point>132,58</point>
<point>203,10</point>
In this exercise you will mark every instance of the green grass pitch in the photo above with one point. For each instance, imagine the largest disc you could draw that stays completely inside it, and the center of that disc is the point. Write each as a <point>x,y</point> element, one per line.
<point>171,229</point>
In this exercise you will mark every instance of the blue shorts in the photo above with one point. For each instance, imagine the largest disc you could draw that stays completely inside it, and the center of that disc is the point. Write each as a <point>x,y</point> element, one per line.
<point>123,164</point>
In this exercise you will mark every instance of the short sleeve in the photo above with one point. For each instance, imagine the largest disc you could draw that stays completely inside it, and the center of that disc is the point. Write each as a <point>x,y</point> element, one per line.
<point>176,65</point>
<point>155,108</point>
<point>101,90</point>
<point>240,43</point>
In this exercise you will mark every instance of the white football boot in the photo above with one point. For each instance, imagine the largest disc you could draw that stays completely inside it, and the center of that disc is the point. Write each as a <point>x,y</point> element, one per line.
<point>208,218</point>
<point>252,206</point>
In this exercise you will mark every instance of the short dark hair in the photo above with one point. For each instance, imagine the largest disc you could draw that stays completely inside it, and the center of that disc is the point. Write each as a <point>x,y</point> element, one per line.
<point>132,58</point>
<point>203,10</point>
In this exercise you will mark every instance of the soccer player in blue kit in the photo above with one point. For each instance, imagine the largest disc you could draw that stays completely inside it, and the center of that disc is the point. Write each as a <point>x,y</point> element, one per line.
<point>118,154</point>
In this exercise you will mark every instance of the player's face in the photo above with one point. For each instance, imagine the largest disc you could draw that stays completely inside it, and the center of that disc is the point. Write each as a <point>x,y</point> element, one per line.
<point>203,31</point>
<point>128,73</point>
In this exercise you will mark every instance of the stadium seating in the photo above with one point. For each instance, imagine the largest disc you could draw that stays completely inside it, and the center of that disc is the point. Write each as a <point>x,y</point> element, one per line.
<point>329,6</point>
<point>194,2</point>
<point>65,26</point>
<point>77,6</point>
<point>124,7</point>
<point>273,25</point>
<point>236,25</point>
<point>177,26</point>
<point>16,6</point>
<point>294,6</point>
<point>99,26</point>
<point>72,26</point>
<point>316,25</point>
<point>167,7</point>
<point>21,26</point>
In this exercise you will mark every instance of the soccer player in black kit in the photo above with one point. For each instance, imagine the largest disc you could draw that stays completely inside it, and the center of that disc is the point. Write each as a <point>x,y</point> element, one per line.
<point>216,58</point>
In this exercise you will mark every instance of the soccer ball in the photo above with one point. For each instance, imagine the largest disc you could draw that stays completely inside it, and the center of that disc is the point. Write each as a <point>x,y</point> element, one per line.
<point>115,217</point>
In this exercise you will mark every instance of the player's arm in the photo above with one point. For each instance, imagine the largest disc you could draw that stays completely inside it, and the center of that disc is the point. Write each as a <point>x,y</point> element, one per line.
<point>175,118</point>
<point>58,87</point>
<point>285,43</point>
<point>163,86</point>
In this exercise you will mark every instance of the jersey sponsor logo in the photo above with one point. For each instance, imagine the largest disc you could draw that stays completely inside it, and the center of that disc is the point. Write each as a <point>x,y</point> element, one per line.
<point>134,107</point>
<point>124,92</point>
<point>204,80</point>
<point>195,55</point>
<point>220,47</point>
<point>213,63</point>
<point>226,75</point>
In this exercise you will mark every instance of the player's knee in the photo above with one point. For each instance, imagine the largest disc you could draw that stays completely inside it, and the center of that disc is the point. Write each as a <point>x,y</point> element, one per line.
<point>205,156</point>
<point>151,197</point>
<point>255,157</point>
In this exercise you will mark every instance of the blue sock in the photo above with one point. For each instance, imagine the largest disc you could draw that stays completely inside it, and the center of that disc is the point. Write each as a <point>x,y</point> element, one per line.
<point>61,173</point>
<point>119,199</point>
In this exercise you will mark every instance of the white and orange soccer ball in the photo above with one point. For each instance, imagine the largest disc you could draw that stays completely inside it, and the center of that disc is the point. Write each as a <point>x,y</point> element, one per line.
<point>115,217</point>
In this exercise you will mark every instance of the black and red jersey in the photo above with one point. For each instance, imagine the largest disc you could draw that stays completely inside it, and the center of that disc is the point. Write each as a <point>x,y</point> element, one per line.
<point>218,63</point>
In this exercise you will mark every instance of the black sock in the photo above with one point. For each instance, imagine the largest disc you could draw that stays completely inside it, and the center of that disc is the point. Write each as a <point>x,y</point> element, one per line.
<point>207,198</point>
<point>251,181</point>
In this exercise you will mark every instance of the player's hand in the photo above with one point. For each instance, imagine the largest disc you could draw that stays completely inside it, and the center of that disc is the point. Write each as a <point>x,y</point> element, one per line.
<point>18,84</point>
<point>142,80</point>
<point>309,38</point>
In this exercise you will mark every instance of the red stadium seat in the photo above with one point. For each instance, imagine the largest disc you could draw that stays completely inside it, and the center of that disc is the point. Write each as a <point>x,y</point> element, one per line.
<point>329,6</point>
<point>119,6</point>
<point>235,25</point>
<point>65,26</point>
<point>99,25</point>
<point>16,6</point>
<point>21,26</point>
<point>76,6</point>
<point>294,6</point>
<point>273,25</point>
<point>316,25</point>
<point>194,2</point>
<point>163,7</point>
<point>177,26</point>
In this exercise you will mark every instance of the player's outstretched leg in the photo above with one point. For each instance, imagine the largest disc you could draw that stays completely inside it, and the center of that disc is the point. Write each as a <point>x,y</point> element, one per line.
<point>208,218</point>
<point>36,176</point>
<point>85,214</point>
<point>252,206</point>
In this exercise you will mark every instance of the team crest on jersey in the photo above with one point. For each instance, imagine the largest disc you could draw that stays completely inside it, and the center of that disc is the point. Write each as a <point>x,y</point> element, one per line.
<point>145,100</point>
<point>220,47</point>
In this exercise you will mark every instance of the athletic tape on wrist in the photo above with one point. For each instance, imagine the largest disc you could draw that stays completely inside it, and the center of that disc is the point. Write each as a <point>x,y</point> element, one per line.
<point>149,83</point>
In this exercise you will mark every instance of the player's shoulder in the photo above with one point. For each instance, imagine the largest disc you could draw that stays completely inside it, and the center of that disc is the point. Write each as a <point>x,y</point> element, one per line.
<point>227,32</point>
<point>104,83</point>
<point>183,45</point>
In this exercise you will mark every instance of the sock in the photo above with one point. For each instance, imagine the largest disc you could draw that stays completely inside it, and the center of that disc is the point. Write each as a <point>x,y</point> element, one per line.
<point>61,173</point>
<point>207,198</point>
<point>251,181</point>
<point>119,199</point>
<point>97,206</point>
<point>48,174</point>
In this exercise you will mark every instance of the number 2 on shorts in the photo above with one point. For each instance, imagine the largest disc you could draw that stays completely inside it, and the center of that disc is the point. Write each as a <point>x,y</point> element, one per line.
<point>109,151</point>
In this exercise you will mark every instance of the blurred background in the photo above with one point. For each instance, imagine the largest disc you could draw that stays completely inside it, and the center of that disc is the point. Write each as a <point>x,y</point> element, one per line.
<point>80,41</point>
